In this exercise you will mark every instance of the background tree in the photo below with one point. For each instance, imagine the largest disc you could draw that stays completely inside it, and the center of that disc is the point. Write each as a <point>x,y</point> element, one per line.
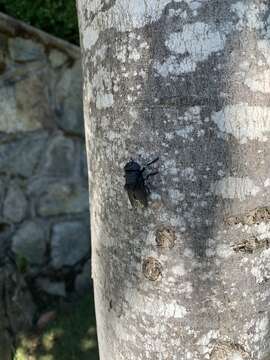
<point>188,81</point>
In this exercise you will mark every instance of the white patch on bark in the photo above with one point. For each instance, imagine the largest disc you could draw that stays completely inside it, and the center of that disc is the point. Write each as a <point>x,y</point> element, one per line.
<point>235,188</point>
<point>261,269</point>
<point>101,84</point>
<point>90,37</point>
<point>259,81</point>
<point>195,4</point>
<point>155,307</point>
<point>99,55</point>
<point>242,122</point>
<point>248,14</point>
<point>205,340</point>
<point>176,196</point>
<point>245,65</point>
<point>134,55</point>
<point>264,48</point>
<point>139,10</point>
<point>235,356</point>
<point>198,41</point>
<point>185,132</point>
<point>263,230</point>
<point>188,174</point>
<point>261,329</point>
<point>224,251</point>
<point>267,23</point>
<point>188,253</point>
<point>178,12</point>
<point>124,15</point>
<point>122,54</point>
<point>172,66</point>
<point>179,270</point>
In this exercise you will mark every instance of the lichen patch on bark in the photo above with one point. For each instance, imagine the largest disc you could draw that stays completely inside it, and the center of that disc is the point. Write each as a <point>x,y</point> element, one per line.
<point>197,41</point>
<point>241,122</point>
<point>234,187</point>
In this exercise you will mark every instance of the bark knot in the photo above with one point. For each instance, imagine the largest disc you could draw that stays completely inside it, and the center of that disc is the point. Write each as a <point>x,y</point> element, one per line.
<point>251,245</point>
<point>152,268</point>
<point>165,237</point>
<point>254,216</point>
<point>229,351</point>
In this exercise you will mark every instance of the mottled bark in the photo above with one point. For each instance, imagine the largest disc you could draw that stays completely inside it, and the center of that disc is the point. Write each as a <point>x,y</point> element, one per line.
<point>188,81</point>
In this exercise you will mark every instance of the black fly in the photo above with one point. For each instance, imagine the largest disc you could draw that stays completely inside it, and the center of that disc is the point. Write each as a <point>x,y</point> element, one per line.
<point>135,184</point>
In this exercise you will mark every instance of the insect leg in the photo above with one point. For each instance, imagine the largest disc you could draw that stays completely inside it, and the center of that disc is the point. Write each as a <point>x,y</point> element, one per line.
<point>152,174</point>
<point>152,162</point>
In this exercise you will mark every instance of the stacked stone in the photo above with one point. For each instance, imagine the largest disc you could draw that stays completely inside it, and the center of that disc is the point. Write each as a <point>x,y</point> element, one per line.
<point>44,212</point>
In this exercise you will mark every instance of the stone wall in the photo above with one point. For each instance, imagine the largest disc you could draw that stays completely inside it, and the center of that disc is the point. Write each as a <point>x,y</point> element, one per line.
<point>44,212</point>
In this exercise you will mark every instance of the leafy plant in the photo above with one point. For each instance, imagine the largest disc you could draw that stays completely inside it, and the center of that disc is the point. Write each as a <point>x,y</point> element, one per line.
<point>57,17</point>
<point>71,336</point>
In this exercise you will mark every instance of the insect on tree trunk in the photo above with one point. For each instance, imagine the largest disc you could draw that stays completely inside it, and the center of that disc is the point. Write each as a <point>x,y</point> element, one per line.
<point>186,278</point>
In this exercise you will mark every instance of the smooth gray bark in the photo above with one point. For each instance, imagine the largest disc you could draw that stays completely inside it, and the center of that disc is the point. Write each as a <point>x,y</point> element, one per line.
<point>188,81</point>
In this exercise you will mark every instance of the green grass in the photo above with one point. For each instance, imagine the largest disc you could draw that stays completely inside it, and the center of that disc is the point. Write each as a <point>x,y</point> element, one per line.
<point>72,336</point>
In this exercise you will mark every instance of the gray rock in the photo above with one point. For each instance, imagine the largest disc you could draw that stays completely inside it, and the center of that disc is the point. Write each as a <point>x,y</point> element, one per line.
<point>57,58</point>
<point>15,204</point>
<point>63,199</point>
<point>3,53</point>
<point>33,108</point>
<point>29,242</point>
<point>8,111</point>
<point>19,304</point>
<point>2,61</point>
<point>37,186</point>
<point>60,157</point>
<point>83,280</point>
<point>70,243</point>
<point>21,156</point>
<point>22,71</point>
<point>26,106</point>
<point>6,231</point>
<point>2,191</point>
<point>55,288</point>
<point>25,49</point>
<point>69,103</point>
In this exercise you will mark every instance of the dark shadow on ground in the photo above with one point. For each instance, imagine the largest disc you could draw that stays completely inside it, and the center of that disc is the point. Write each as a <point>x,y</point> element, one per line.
<point>71,336</point>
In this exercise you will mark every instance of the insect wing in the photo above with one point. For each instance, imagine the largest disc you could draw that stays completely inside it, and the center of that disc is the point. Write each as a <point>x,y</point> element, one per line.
<point>140,194</point>
<point>131,198</point>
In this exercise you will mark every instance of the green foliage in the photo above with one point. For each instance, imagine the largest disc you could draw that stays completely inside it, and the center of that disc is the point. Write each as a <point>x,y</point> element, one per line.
<point>57,17</point>
<point>72,336</point>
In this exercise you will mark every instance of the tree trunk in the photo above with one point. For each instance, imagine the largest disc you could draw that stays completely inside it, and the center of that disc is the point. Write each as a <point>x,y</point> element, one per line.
<point>188,81</point>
